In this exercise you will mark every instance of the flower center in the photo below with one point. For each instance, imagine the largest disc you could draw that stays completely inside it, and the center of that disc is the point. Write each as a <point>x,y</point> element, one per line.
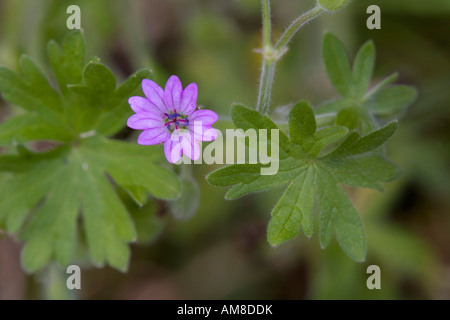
<point>175,121</point>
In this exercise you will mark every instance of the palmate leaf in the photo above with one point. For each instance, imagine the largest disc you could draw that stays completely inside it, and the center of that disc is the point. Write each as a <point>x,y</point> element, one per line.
<point>314,175</point>
<point>60,199</point>
<point>384,101</point>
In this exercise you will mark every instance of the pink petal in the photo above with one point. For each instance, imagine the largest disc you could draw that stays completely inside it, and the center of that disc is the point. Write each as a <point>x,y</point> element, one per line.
<point>203,133</point>
<point>154,136</point>
<point>145,120</point>
<point>190,147</point>
<point>189,99</point>
<point>139,104</point>
<point>172,93</point>
<point>154,94</point>
<point>207,117</point>
<point>172,150</point>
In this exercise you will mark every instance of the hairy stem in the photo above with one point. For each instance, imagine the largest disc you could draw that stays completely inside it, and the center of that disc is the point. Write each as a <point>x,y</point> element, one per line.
<point>265,85</point>
<point>271,54</point>
<point>295,26</point>
<point>267,27</point>
<point>268,68</point>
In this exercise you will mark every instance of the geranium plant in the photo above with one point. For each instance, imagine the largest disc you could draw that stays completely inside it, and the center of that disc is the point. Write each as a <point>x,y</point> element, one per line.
<point>67,198</point>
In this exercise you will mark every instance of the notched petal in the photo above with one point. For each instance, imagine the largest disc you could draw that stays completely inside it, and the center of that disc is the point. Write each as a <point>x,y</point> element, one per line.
<point>154,94</point>
<point>173,92</point>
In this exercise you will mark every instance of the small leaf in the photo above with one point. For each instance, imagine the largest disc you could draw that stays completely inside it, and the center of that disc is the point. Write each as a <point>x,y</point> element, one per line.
<point>392,101</point>
<point>353,145</point>
<point>302,124</point>
<point>373,140</point>
<point>363,68</point>
<point>381,85</point>
<point>337,64</point>
<point>326,137</point>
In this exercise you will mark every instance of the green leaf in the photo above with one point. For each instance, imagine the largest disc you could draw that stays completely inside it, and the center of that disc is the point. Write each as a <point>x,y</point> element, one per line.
<point>98,83</point>
<point>294,210</point>
<point>327,136</point>
<point>119,110</point>
<point>94,95</point>
<point>381,85</point>
<point>133,168</point>
<point>246,118</point>
<point>86,189</point>
<point>353,145</point>
<point>28,127</point>
<point>53,223</point>
<point>51,198</point>
<point>137,193</point>
<point>247,178</point>
<point>352,85</point>
<point>302,124</point>
<point>67,61</point>
<point>391,101</point>
<point>363,68</point>
<point>339,217</point>
<point>337,64</point>
<point>363,171</point>
<point>31,91</point>
<point>355,161</point>
<point>373,140</point>
<point>337,105</point>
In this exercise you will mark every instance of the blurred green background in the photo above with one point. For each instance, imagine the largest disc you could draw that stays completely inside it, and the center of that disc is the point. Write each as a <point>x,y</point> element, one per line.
<point>221,252</point>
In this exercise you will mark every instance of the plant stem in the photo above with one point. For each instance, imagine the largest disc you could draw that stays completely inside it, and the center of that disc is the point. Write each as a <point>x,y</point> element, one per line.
<point>295,26</point>
<point>271,54</point>
<point>265,85</point>
<point>267,27</point>
<point>268,67</point>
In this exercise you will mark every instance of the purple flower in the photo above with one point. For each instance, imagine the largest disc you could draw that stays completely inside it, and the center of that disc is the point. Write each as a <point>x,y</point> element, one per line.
<point>171,116</point>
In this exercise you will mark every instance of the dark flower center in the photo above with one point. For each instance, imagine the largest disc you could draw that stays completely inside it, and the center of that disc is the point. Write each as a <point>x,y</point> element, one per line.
<point>175,121</point>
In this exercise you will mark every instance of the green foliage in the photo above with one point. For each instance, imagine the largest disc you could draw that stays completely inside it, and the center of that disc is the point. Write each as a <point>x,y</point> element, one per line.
<point>382,102</point>
<point>356,161</point>
<point>315,162</point>
<point>61,199</point>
